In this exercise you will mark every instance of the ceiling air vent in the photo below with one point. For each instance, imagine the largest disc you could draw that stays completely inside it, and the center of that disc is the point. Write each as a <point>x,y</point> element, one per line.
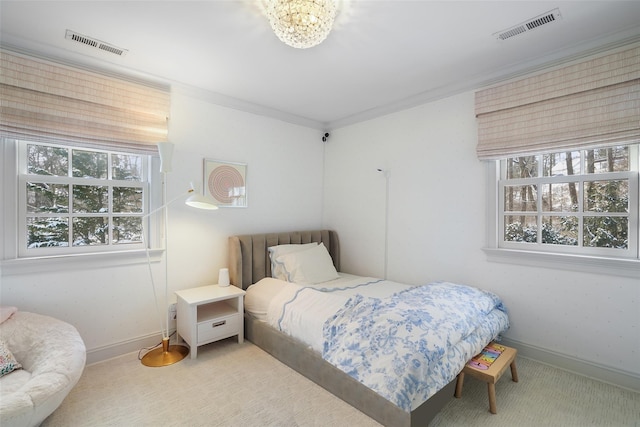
<point>95,43</point>
<point>531,24</point>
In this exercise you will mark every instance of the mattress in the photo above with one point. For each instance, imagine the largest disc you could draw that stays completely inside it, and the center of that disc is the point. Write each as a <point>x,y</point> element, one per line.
<point>404,342</point>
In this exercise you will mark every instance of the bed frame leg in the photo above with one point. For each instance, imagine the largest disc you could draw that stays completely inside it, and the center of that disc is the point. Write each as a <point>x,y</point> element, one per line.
<point>459,384</point>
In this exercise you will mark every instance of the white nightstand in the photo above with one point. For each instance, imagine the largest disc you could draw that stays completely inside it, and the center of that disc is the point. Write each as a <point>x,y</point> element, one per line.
<point>210,313</point>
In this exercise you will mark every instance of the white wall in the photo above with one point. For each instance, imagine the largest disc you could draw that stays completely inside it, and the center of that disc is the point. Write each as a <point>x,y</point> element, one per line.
<point>437,221</point>
<point>113,307</point>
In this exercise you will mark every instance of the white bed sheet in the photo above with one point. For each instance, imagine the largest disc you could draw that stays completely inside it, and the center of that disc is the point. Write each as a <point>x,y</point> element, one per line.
<point>265,300</point>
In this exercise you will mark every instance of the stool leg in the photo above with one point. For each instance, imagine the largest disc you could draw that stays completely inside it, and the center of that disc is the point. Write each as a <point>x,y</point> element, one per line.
<point>492,398</point>
<point>514,372</point>
<point>459,383</point>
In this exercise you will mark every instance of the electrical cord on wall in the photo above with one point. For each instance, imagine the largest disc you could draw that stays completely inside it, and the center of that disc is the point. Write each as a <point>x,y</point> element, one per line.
<point>325,137</point>
<point>386,174</point>
<point>148,349</point>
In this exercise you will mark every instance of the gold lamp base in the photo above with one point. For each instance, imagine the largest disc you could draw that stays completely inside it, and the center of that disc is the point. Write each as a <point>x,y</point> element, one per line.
<point>165,356</point>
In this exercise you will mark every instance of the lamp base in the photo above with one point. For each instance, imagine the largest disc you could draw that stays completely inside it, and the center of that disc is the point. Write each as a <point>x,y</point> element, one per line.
<point>165,356</point>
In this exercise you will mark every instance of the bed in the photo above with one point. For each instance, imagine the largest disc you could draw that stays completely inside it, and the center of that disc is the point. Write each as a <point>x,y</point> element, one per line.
<point>329,363</point>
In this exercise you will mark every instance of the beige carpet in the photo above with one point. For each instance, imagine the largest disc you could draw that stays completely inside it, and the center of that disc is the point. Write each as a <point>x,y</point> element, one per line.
<point>240,385</point>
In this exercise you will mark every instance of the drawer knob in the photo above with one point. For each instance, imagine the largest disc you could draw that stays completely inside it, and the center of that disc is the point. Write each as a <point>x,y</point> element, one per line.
<point>215,325</point>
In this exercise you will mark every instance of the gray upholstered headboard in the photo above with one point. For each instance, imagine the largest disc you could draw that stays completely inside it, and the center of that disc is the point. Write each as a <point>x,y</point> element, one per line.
<point>249,257</point>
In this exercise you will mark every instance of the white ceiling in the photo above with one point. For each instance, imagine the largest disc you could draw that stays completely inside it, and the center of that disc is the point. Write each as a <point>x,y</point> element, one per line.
<point>381,56</point>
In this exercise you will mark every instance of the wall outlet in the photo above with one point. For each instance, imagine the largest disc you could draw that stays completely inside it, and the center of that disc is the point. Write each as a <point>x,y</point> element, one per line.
<point>172,314</point>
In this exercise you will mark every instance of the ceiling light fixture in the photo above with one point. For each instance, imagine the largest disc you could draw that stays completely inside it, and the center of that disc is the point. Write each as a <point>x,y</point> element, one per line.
<point>301,23</point>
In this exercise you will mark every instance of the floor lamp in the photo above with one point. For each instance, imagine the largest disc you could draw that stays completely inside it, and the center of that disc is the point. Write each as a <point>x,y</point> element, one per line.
<point>168,354</point>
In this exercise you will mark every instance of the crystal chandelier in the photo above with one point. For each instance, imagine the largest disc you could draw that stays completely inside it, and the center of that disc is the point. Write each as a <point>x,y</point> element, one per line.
<point>301,23</point>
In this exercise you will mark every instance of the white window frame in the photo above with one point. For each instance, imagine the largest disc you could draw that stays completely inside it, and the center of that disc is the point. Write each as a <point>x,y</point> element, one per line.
<point>595,260</point>
<point>15,259</point>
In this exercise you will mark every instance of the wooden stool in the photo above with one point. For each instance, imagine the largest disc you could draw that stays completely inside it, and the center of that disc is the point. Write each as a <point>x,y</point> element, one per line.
<point>491,375</point>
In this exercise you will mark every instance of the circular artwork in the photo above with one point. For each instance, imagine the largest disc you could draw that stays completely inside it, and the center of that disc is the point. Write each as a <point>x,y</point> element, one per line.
<point>225,183</point>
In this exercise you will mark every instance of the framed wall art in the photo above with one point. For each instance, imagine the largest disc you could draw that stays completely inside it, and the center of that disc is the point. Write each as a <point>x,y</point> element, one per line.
<point>226,183</point>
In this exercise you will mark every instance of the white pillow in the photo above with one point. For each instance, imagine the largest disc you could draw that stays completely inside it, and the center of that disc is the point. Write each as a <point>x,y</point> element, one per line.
<point>276,251</point>
<point>309,266</point>
<point>260,294</point>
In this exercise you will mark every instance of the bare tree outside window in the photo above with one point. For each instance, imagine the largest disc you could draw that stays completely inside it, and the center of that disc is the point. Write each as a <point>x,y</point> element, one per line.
<point>82,197</point>
<point>543,204</point>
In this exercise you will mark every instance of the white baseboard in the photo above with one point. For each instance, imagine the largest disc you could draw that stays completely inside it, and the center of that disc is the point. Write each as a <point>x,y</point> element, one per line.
<point>110,351</point>
<point>617,377</point>
<point>598,372</point>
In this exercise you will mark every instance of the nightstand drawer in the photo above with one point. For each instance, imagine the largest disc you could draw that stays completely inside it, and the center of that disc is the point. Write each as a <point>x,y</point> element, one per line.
<point>219,328</point>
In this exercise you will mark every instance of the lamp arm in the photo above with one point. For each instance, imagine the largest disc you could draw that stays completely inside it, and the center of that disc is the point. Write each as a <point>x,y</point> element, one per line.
<point>189,191</point>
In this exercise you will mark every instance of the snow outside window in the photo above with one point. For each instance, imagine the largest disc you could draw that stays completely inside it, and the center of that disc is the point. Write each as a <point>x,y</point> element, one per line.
<point>571,202</point>
<point>79,200</point>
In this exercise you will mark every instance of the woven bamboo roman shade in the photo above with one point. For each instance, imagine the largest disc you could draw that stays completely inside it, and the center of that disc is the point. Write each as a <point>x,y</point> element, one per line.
<point>594,102</point>
<point>41,99</point>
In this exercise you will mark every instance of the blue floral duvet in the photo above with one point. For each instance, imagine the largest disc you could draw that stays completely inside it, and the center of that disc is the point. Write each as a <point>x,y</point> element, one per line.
<point>404,342</point>
<point>408,346</point>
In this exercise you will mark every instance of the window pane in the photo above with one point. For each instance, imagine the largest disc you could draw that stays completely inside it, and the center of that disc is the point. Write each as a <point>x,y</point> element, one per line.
<point>606,196</point>
<point>127,199</point>
<point>82,199</point>
<point>520,229</point>
<point>127,230</point>
<point>44,197</point>
<point>90,231</point>
<point>42,160</point>
<point>606,232</point>
<point>561,164</point>
<point>522,167</point>
<point>561,197</point>
<point>126,167</point>
<point>90,199</point>
<point>602,160</point>
<point>560,230</point>
<point>520,198</point>
<point>89,164</point>
<point>47,232</point>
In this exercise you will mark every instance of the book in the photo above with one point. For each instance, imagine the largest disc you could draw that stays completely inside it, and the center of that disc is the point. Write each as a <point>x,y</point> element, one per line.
<point>486,357</point>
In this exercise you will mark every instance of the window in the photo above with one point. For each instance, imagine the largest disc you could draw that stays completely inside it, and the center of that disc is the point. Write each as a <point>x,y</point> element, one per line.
<point>89,199</point>
<point>577,202</point>
<point>574,205</point>
<point>79,200</point>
